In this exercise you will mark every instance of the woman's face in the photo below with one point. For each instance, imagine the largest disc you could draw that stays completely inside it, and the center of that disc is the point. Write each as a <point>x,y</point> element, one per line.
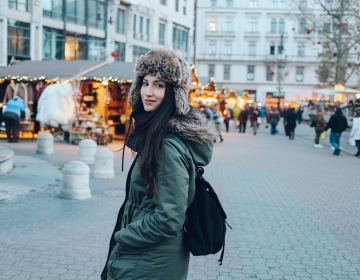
<point>152,92</point>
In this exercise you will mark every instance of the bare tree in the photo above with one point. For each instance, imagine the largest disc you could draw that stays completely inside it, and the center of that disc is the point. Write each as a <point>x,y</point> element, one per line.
<point>336,24</point>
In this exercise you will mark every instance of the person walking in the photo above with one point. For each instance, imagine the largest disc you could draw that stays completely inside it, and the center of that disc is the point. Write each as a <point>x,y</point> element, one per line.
<point>273,120</point>
<point>337,124</point>
<point>204,109</point>
<point>227,117</point>
<point>291,123</point>
<point>216,120</point>
<point>285,122</point>
<point>355,131</point>
<point>319,125</point>
<point>243,118</point>
<point>253,115</point>
<point>15,108</point>
<point>300,112</point>
<point>148,239</point>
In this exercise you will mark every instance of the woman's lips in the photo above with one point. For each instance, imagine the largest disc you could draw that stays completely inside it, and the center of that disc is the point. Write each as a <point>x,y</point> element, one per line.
<point>149,102</point>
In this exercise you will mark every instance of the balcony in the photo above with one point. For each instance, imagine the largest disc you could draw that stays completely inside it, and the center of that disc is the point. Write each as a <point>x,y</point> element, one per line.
<point>220,33</point>
<point>252,34</point>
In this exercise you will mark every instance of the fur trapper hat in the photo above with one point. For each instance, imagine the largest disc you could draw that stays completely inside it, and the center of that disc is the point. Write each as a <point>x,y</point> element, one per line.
<point>169,67</point>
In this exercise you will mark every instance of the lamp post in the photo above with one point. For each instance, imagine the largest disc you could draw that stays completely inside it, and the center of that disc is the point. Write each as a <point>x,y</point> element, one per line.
<point>281,62</point>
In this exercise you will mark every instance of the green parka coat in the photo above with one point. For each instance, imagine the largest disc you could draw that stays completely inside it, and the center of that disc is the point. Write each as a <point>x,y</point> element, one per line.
<point>147,242</point>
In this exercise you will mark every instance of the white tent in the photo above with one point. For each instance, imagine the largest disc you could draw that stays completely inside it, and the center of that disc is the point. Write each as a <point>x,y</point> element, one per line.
<point>332,91</point>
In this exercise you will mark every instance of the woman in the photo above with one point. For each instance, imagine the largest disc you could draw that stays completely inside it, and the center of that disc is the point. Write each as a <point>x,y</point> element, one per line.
<point>319,127</point>
<point>355,131</point>
<point>227,117</point>
<point>147,242</point>
<point>291,118</point>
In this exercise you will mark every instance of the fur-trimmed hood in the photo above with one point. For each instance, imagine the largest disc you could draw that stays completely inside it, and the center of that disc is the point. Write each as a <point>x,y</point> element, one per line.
<point>169,67</point>
<point>197,132</point>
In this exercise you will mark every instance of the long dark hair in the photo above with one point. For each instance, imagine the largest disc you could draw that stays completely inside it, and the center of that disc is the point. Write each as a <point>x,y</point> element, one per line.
<point>150,130</point>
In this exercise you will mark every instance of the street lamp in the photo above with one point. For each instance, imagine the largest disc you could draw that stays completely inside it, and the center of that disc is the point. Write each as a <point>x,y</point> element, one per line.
<point>281,61</point>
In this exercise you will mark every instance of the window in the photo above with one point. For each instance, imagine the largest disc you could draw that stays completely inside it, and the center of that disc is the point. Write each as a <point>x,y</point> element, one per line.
<point>253,3</point>
<point>163,2</point>
<point>161,34</point>
<point>138,51</point>
<point>302,26</point>
<point>53,8</point>
<point>120,21</point>
<point>269,71</point>
<point>96,50</point>
<point>253,25</point>
<point>274,4</point>
<point>228,25</point>
<point>303,4</point>
<point>212,47</point>
<point>180,38</point>
<point>96,14</point>
<point>282,4</point>
<point>228,47</point>
<point>212,25</point>
<point>76,47</point>
<point>226,72</point>
<point>250,72</point>
<point>184,10</point>
<point>252,48</point>
<point>75,11</point>
<point>273,26</point>
<point>141,28</point>
<point>18,39</point>
<point>53,44</point>
<point>281,26</point>
<point>134,27</point>
<point>301,49</point>
<point>229,3</point>
<point>272,49</point>
<point>120,49</point>
<point>213,3</point>
<point>20,5</point>
<point>211,70</point>
<point>299,73</point>
<point>176,5</point>
<point>147,29</point>
<point>327,26</point>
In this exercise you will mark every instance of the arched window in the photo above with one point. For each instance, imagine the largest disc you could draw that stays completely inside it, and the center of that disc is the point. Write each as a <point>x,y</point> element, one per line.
<point>301,49</point>
<point>281,26</point>
<point>273,26</point>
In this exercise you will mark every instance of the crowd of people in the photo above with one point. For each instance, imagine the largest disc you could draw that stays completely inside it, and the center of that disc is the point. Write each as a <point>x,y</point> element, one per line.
<point>255,115</point>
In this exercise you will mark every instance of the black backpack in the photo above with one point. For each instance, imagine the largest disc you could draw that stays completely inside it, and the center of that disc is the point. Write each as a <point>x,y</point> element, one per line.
<point>205,225</point>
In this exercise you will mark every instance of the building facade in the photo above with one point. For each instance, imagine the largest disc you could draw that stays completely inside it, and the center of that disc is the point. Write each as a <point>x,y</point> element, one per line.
<point>93,29</point>
<point>263,47</point>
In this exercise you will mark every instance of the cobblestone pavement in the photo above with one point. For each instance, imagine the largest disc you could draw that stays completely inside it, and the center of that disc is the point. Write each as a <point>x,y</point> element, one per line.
<point>294,211</point>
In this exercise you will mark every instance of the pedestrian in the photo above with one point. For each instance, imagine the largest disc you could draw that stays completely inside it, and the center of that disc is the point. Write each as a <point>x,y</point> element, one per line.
<point>291,118</point>
<point>337,124</point>
<point>227,117</point>
<point>216,120</point>
<point>243,118</point>
<point>300,112</point>
<point>148,239</point>
<point>319,125</point>
<point>355,131</point>
<point>273,120</point>
<point>253,115</point>
<point>11,116</point>
<point>286,128</point>
<point>204,109</point>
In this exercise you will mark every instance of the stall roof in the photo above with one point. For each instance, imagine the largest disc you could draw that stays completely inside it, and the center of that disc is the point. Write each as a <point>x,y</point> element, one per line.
<point>51,69</point>
<point>116,70</point>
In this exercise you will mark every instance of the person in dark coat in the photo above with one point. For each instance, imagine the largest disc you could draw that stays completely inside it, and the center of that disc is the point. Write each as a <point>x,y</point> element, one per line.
<point>227,117</point>
<point>12,116</point>
<point>217,122</point>
<point>300,112</point>
<point>253,115</point>
<point>337,124</point>
<point>243,118</point>
<point>320,124</point>
<point>273,120</point>
<point>284,115</point>
<point>291,118</point>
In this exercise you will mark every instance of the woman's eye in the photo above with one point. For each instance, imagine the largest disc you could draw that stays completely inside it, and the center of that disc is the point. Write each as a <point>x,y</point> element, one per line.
<point>145,84</point>
<point>159,86</point>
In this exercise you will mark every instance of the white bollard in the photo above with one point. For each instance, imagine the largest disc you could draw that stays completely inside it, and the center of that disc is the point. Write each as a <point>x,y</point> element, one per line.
<point>75,180</point>
<point>104,164</point>
<point>45,144</point>
<point>87,151</point>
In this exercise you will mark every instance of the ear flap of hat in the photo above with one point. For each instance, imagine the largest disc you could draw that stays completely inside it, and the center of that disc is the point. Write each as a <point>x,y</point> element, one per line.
<point>134,92</point>
<point>182,101</point>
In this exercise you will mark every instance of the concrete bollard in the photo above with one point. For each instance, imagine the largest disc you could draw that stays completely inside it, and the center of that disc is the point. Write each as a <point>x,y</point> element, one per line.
<point>87,151</point>
<point>45,144</point>
<point>75,180</point>
<point>104,164</point>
